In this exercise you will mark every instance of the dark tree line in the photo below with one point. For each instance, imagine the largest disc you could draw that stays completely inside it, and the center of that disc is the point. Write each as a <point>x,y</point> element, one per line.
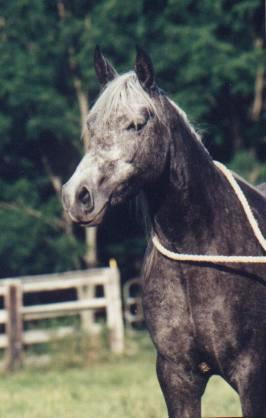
<point>209,56</point>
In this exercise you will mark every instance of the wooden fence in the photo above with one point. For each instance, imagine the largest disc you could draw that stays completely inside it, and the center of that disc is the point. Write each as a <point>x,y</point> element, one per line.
<point>15,314</point>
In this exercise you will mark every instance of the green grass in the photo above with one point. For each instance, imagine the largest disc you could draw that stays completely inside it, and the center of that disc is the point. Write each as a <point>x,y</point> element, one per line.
<point>99,386</point>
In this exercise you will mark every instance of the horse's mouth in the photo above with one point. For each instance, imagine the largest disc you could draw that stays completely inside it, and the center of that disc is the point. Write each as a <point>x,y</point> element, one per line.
<point>93,220</point>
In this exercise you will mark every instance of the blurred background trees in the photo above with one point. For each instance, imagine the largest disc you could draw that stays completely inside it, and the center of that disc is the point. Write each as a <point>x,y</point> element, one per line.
<point>209,56</point>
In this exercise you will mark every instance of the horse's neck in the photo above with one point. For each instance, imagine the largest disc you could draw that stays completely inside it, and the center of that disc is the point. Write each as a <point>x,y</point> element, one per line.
<point>184,203</point>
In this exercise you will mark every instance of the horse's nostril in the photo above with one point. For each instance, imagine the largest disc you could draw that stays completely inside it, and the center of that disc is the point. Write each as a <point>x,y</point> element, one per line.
<point>85,198</point>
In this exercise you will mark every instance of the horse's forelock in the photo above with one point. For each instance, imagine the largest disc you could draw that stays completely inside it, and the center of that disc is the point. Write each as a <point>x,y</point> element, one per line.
<point>124,95</point>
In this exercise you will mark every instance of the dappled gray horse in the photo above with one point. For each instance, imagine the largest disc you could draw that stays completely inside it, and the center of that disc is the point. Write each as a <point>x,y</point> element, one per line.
<point>203,318</point>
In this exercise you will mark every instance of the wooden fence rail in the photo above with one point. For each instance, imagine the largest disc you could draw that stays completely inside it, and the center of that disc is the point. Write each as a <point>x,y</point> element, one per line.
<point>14,314</point>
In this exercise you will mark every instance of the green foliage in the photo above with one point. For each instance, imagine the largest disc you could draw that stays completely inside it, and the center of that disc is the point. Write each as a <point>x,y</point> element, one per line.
<point>249,167</point>
<point>207,55</point>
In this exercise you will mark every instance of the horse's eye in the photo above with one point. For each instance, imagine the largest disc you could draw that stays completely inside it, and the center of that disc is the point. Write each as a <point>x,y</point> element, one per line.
<point>136,126</point>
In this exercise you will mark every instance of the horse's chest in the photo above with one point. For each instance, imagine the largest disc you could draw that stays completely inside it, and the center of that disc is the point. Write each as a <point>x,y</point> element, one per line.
<point>179,314</point>
<point>167,313</point>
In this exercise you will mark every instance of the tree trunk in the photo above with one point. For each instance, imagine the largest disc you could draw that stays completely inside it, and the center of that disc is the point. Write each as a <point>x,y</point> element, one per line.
<point>90,233</point>
<point>259,87</point>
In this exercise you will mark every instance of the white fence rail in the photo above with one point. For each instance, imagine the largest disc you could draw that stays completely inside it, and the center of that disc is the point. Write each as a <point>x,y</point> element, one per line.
<point>15,314</point>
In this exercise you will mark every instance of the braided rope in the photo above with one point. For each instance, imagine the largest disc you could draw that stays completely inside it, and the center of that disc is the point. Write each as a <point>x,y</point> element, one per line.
<point>222,258</point>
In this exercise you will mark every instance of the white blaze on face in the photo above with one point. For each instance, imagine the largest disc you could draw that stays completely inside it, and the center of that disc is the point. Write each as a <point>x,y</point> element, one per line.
<point>86,170</point>
<point>91,169</point>
<point>122,168</point>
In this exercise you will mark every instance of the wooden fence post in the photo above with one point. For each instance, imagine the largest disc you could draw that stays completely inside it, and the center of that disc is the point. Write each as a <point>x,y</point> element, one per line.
<point>86,317</point>
<point>114,310</point>
<point>14,324</point>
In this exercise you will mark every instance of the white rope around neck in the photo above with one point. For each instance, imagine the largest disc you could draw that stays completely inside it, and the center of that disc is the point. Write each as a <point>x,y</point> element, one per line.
<point>222,258</point>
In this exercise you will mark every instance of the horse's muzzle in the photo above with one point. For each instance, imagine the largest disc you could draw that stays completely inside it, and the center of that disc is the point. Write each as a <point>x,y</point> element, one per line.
<point>82,207</point>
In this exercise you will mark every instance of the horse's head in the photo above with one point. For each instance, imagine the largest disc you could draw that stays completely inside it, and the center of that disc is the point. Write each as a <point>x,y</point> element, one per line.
<point>126,150</point>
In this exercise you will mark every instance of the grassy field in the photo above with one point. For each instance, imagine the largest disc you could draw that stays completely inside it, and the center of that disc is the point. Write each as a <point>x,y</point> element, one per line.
<point>99,386</point>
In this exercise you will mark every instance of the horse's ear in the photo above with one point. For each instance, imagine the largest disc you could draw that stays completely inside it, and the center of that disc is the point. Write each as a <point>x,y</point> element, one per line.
<point>104,70</point>
<point>144,69</point>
